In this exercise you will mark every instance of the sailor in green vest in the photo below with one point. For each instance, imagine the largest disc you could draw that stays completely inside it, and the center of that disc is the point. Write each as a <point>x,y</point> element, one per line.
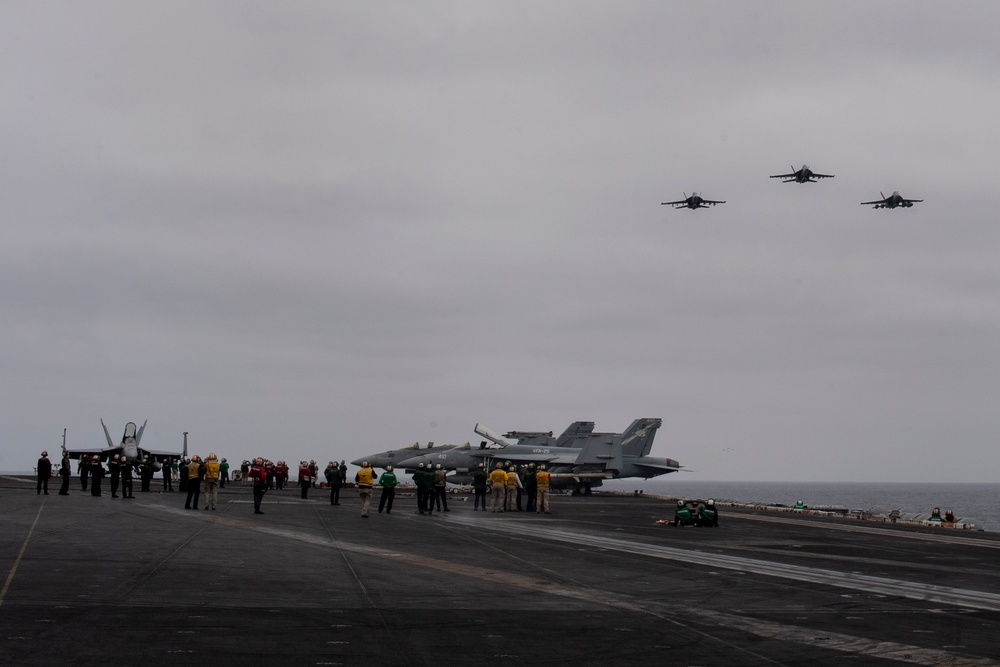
<point>799,505</point>
<point>936,515</point>
<point>388,483</point>
<point>708,515</point>
<point>682,515</point>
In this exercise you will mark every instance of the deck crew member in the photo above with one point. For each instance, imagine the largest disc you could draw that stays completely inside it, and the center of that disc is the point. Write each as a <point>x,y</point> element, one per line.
<point>441,487</point>
<point>332,474</point>
<point>258,475</point>
<point>479,480</point>
<point>65,468</point>
<point>513,489</point>
<point>126,474</point>
<point>212,481</point>
<point>708,514</point>
<point>543,484</point>
<point>305,478</point>
<point>44,471</point>
<point>498,484</point>
<point>388,483</point>
<point>682,514</point>
<point>365,479</point>
<point>115,473</point>
<point>96,473</point>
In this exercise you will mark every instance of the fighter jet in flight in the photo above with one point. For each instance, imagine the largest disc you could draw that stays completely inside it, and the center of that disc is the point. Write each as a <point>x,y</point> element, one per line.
<point>803,175</point>
<point>892,201</point>
<point>692,202</point>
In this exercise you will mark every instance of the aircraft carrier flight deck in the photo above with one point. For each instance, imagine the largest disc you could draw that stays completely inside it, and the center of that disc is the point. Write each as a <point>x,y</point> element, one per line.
<point>96,581</point>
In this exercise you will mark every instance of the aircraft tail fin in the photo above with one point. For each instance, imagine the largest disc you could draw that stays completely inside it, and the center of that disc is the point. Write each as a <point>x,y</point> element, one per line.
<point>637,440</point>
<point>107,435</point>
<point>573,431</point>
<point>138,436</point>
<point>601,450</point>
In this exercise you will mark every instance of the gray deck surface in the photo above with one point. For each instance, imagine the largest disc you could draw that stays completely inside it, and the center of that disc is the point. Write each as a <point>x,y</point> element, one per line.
<point>100,581</point>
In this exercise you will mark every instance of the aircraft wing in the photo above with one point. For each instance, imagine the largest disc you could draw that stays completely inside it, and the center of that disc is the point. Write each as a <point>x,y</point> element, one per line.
<point>877,201</point>
<point>77,453</point>
<point>713,202</point>
<point>815,175</point>
<point>791,175</point>
<point>912,201</point>
<point>674,203</point>
<point>160,456</point>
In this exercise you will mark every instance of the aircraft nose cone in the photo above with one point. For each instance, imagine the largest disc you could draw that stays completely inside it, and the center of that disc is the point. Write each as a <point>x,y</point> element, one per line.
<point>357,462</point>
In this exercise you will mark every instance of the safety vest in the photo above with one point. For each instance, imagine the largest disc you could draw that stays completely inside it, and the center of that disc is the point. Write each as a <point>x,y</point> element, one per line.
<point>211,470</point>
<point>365,478</point>
<point>543,479</point>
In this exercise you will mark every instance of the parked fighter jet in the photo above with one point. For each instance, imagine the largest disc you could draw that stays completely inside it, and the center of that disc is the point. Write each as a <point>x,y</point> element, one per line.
<point>694,201</point>
<point>592,458</point>
<point>129,447</point>
<point>803,175</point>
<point>392,457</point>
<point>892,201</point>
<point>395,457</point>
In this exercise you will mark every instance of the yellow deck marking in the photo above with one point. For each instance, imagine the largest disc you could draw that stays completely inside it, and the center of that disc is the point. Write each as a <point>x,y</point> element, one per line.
<point>17,561</point>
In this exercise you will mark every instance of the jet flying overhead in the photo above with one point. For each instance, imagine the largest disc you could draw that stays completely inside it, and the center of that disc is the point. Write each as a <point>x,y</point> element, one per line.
<point>693,202</point>
<point>892,201</point>
<point>803,175</point>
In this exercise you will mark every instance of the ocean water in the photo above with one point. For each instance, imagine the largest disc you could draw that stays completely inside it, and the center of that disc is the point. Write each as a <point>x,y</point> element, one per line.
<point>975,503</point>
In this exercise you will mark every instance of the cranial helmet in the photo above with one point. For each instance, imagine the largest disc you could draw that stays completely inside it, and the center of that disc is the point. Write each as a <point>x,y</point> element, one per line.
<point>711,502</point>
<point>45,453</point>
<point>438,466</point>
<point>388,468</point>
<point>680,503</point>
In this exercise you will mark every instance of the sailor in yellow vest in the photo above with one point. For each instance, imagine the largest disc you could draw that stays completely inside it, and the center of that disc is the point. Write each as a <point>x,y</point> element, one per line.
<point>212,471</point>
<point>366,480</point>
<point>498,482</point>
<point>512,486</point>
<point>543,480</point>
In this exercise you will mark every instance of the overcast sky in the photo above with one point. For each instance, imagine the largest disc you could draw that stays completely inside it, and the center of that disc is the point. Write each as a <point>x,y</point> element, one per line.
<point>324,229</point>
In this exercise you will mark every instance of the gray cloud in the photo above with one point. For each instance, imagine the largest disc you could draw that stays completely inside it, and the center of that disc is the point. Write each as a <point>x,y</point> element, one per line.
<point>322,230</point>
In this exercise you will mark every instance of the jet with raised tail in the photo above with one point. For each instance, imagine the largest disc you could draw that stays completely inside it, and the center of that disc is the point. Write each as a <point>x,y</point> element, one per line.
<point>588,459</point>
<point>129,447</point>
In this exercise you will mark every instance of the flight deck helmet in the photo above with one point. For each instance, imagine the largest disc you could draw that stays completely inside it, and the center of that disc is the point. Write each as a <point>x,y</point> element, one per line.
<point>711,502</point>
<point>680,503</point>
<point>420,465</point>
<point>388,468</point>
<point>438,466</point>
<point>44,453</point>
